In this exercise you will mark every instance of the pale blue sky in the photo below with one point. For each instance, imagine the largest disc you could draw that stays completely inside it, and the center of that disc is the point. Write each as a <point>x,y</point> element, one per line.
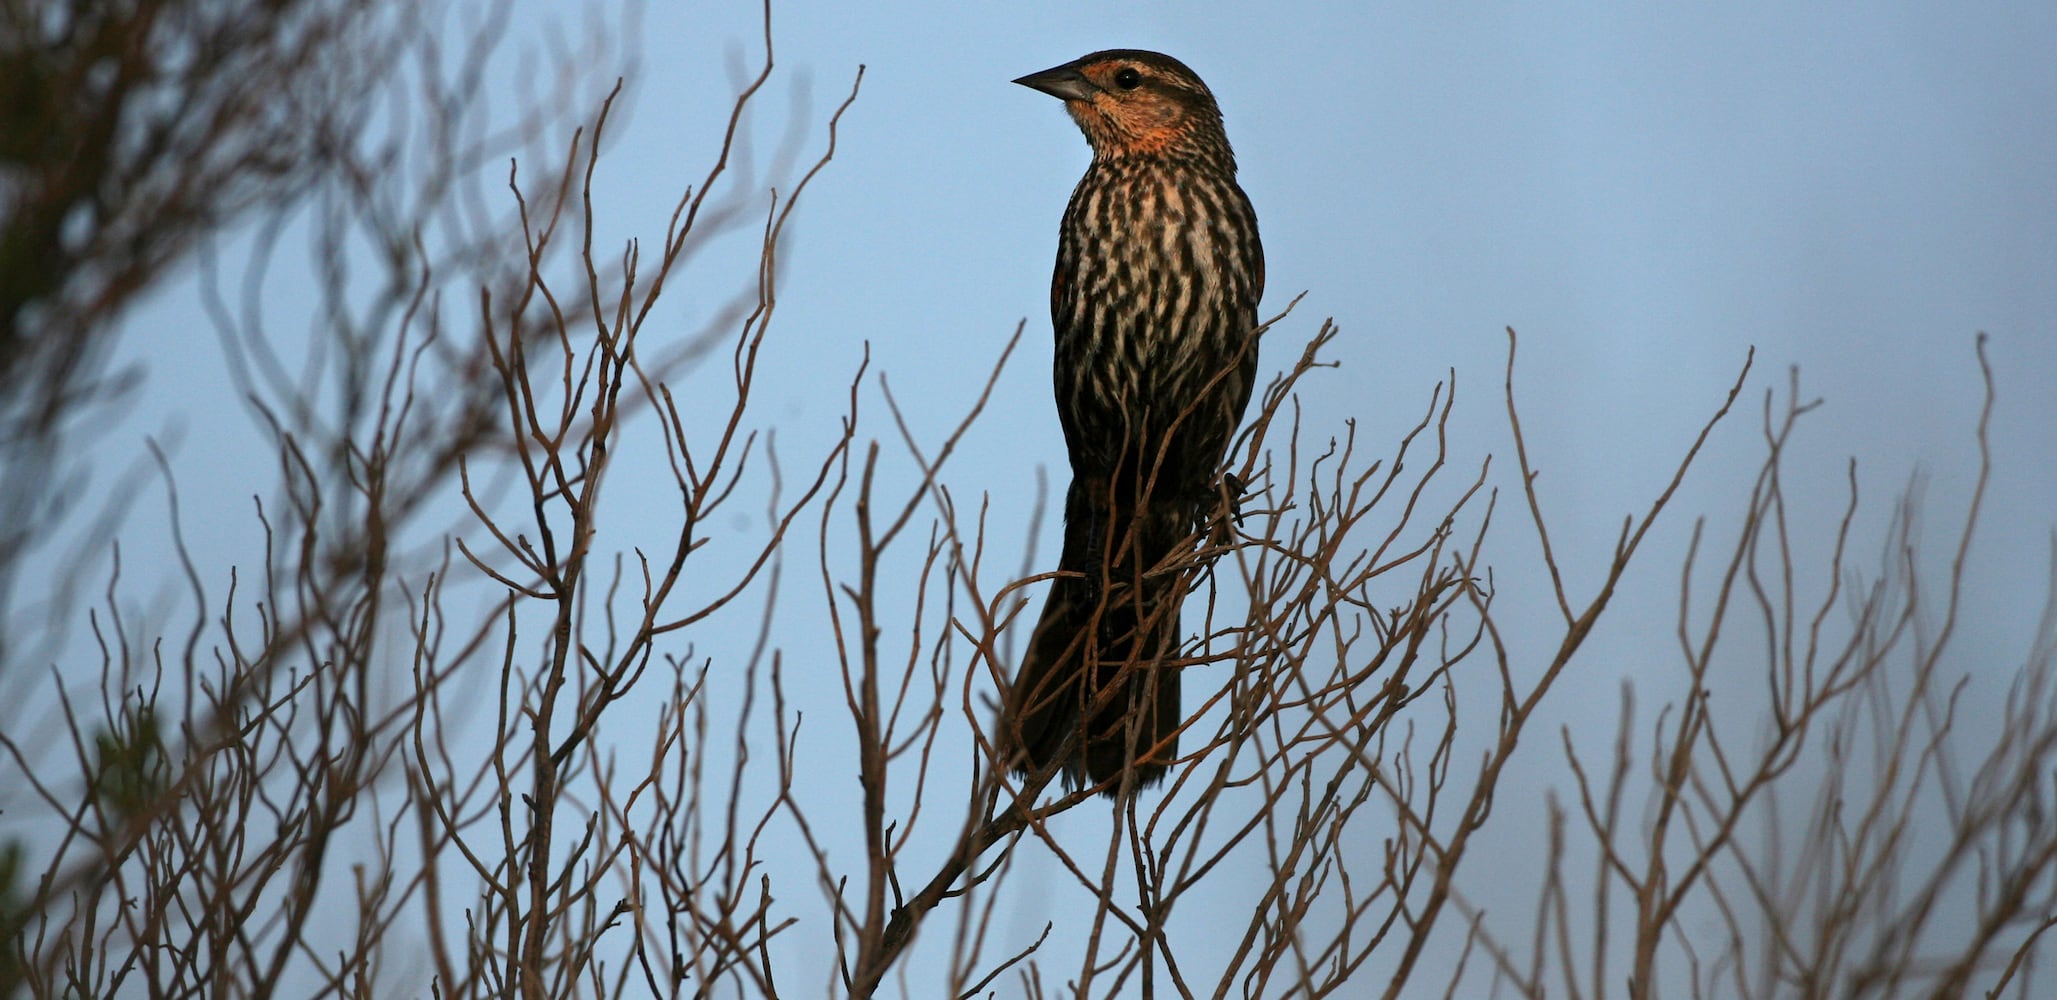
<point>1643,191</point>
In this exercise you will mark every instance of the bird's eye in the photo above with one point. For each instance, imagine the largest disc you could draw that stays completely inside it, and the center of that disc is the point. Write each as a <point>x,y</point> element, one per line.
<point>1128,78</point>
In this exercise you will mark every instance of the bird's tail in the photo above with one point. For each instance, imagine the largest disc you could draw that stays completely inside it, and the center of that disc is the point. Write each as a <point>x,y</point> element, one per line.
<point>1095,692</point>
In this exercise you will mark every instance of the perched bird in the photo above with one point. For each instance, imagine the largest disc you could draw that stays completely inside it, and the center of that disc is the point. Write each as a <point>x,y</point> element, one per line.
<point>1154,304</point>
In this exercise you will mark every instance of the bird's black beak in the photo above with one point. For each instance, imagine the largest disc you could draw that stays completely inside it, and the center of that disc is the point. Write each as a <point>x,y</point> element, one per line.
<point>1065,82</point>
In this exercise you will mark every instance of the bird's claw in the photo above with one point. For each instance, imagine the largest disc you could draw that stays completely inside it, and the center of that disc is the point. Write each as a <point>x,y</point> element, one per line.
<point>1236,489</point>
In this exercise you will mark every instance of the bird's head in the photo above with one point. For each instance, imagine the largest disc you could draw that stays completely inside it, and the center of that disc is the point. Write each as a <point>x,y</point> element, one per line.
<point>1130,102</point>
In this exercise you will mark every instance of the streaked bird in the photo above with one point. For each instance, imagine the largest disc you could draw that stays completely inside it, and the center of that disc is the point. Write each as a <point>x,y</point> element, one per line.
<point>1154,305</point>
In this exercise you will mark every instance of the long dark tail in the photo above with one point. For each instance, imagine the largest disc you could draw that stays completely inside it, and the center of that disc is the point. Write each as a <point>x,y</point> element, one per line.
<point>1094,694</point>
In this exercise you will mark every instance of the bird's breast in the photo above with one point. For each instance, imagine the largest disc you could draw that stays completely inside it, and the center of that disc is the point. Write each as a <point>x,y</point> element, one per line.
<point>1155,294</point>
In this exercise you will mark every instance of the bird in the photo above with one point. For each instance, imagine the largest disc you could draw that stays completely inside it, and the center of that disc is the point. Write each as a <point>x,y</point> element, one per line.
<point>1153,305</point>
